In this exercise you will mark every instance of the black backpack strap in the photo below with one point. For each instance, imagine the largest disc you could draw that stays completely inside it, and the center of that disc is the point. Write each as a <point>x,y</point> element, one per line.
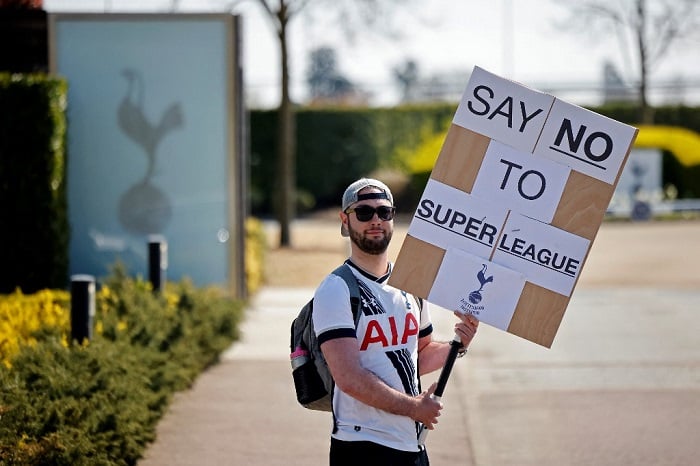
<point>346,274</point>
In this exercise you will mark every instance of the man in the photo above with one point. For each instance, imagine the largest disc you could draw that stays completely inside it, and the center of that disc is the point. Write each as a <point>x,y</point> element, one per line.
<point>378,407</point>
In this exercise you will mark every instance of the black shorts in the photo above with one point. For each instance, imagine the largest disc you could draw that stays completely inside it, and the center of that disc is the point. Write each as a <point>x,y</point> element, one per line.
<point>372,454</point>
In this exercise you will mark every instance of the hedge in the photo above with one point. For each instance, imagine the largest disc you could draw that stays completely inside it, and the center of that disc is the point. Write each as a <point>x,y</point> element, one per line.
<point>336,146</point>
<point>98,402</point>
<point>34,235</point>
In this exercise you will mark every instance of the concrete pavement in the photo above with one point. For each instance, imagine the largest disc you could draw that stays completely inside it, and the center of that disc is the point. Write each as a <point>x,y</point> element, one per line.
<point>620,385</point>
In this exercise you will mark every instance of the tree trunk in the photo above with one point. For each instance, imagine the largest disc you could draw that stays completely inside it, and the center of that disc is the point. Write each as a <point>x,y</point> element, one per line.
<point>286,149</point>
<point>646,114</point>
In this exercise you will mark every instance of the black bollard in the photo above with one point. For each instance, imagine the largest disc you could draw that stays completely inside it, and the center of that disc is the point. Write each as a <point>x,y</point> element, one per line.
<point>157,261</point>
<point>82,307</point>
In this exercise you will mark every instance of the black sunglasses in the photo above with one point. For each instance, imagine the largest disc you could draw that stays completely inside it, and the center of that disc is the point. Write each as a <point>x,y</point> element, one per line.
<point>365,213</point>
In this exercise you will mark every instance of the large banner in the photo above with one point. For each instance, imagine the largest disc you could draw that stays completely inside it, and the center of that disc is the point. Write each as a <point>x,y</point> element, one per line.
<point>154,142</point>
<point>512,206</point>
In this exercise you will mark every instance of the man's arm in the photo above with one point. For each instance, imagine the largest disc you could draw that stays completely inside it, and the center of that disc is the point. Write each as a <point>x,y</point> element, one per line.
<point>343,358</point>
<point>431,354</point>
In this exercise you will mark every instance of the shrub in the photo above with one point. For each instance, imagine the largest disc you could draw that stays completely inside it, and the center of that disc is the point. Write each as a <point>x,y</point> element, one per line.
<point>98,402</point>
<point>21,316</point>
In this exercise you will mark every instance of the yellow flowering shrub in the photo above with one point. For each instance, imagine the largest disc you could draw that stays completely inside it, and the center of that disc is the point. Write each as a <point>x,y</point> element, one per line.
<point>21,316</point>
<point>423,158</point>
<point>683,142</point>
<point>255,250</point>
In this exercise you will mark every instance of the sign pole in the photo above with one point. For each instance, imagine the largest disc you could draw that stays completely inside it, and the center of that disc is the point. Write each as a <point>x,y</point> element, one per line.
<point>455,346</point>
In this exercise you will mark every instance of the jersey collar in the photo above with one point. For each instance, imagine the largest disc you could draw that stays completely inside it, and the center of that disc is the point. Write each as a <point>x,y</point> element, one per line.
<point>368,275</point>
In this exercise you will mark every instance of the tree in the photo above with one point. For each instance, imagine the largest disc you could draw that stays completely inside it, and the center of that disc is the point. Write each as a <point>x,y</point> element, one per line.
<point>646,29</point>
<point>326,83</point>
<point>348,14</point>
<point>280,15</point>
<point>406,75</point>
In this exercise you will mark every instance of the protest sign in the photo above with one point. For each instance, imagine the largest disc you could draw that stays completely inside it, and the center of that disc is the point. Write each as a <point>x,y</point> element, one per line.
<point>512,206</point>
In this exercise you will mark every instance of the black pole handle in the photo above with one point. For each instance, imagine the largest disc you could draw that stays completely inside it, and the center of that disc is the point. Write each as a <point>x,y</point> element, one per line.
<point>455,346</point>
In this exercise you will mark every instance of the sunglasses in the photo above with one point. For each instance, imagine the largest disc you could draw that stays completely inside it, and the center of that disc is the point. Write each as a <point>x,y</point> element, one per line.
<point>365,213</point>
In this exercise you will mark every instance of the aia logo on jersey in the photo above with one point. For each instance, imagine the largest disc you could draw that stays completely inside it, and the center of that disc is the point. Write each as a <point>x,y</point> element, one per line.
<point>388,332</point>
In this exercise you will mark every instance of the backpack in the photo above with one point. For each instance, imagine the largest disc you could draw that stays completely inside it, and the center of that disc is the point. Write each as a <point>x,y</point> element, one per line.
<point>313,382</point>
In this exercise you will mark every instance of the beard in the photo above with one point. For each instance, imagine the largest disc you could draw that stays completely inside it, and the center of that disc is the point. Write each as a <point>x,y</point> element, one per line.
<point>370,245</point>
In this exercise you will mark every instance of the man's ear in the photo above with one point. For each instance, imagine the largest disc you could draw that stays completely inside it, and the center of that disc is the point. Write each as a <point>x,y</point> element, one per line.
<point>344,224</point>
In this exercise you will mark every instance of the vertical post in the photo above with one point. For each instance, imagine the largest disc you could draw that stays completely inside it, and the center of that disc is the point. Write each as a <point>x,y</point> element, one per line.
<point>157,261</point>
<point>82,307</point>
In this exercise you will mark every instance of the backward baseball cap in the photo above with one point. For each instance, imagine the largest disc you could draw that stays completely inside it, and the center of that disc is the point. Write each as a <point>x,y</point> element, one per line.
<point>351,195</point>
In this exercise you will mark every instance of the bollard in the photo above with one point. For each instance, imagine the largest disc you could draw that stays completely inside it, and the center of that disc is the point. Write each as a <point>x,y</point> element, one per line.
<point>157,261</point>
<point>82,307</point>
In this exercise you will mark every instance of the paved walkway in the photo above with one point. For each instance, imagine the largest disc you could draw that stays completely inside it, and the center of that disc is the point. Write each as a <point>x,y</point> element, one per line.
<point>620,386</point>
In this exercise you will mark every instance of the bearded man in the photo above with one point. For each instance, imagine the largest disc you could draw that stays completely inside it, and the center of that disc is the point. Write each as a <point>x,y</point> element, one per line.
<point>378,405</point>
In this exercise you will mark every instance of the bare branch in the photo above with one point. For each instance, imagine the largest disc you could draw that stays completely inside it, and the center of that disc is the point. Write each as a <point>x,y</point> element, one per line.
<point>673,23</point>
<point>271,14</point>
<point>647,28</point>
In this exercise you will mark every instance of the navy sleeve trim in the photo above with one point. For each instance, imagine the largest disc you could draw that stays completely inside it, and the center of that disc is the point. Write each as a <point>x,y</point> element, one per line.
<point>336,333</point>
<point>426,331</point>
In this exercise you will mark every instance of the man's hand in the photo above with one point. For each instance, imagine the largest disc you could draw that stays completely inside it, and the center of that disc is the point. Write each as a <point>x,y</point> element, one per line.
<point>466,327</point>
<point>427,409</point>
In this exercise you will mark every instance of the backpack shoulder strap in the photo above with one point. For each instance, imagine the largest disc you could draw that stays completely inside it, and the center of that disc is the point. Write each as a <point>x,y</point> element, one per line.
<point>346,274</point>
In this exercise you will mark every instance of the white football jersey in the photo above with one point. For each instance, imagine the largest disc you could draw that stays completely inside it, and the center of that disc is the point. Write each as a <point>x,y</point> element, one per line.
<point>391,321</point>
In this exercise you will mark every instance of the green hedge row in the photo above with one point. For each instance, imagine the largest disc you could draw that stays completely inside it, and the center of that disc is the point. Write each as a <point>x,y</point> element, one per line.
<point>336,146</point>
<point>98,403</point>
<point>34,233</point>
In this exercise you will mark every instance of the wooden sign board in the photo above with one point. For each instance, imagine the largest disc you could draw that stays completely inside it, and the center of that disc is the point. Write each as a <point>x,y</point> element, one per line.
<point>512,207</point>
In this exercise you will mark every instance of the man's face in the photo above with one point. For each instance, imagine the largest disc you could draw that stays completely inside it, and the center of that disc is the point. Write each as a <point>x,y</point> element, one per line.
<point>371,236</point>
